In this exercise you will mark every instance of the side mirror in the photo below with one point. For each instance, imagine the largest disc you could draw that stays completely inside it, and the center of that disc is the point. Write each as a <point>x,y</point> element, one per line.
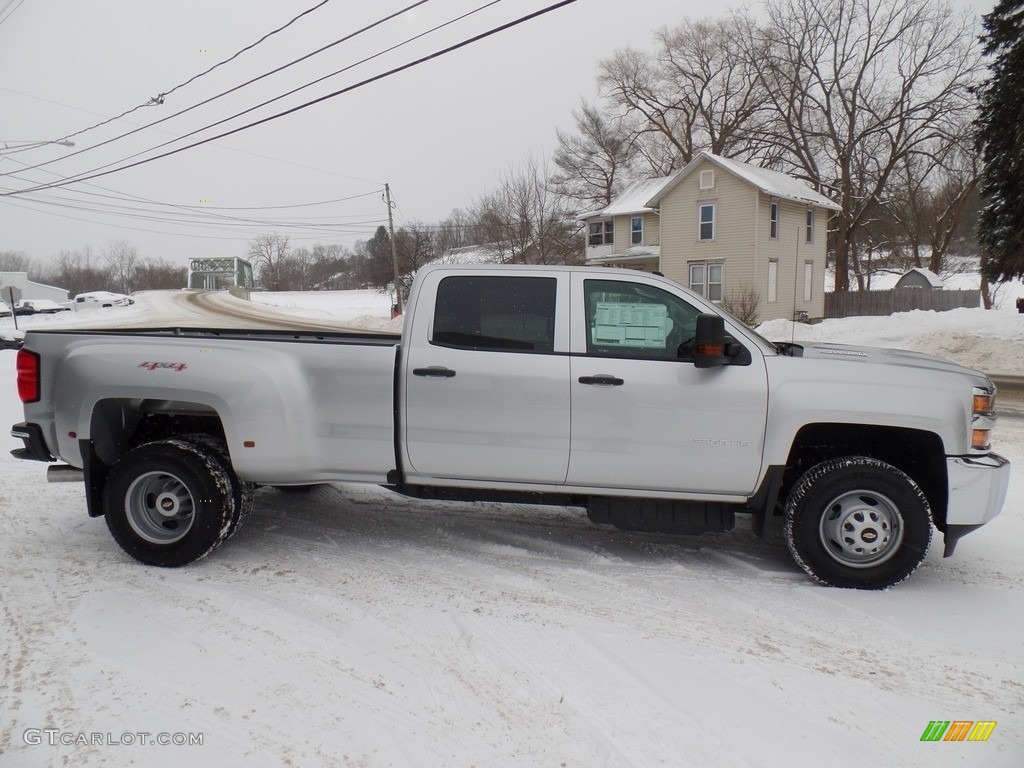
<point>709,343</point>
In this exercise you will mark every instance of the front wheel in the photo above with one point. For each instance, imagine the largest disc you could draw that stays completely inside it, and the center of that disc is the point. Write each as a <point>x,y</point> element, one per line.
<point>169,503</point>
<point>857,522</point>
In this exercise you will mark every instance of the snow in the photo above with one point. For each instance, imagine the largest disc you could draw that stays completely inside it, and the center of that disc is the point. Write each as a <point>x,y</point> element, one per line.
<point>635,199</point>
<point>990,340</point>
<point>351,627</point>
<point>772,183</point>
<point>769,182</point>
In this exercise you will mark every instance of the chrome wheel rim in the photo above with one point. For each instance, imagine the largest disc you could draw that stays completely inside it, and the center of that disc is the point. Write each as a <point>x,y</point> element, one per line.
<point>159,507</point>
<point>861,529</point>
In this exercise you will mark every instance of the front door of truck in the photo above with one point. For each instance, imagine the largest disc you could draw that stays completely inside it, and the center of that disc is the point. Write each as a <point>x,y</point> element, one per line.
<point>487,379</point>
<point>645,418</point>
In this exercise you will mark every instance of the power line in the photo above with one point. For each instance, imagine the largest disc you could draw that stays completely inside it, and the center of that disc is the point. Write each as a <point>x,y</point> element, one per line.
<point>346,38</point>
<point>302,229</point>
<point>300,88</point>
<point>318,169</point>
<point>362,83</point>
<point>15,8</point>
<point>205,212</point>
<point>159,99</point>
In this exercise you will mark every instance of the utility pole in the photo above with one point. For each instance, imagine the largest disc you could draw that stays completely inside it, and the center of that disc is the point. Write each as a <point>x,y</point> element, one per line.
<point>394,254</point>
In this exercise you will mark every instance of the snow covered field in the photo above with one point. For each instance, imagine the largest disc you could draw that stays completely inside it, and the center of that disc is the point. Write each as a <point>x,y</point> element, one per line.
<point>349,626</point>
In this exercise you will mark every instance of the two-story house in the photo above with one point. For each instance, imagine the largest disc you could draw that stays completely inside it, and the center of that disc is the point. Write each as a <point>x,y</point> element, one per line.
<point>724,229</point>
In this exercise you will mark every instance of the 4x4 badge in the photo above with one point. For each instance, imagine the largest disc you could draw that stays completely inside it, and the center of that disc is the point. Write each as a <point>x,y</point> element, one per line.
<point>179,367</point>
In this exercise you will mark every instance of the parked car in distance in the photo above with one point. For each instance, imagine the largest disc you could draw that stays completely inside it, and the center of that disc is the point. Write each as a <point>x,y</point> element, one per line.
<point>101,299</point>
<point>5,311</point>
<point>10,338</point>
<point>38,307</point>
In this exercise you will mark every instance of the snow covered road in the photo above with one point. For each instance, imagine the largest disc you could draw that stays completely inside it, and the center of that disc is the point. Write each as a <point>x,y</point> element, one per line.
<point>349,626</point>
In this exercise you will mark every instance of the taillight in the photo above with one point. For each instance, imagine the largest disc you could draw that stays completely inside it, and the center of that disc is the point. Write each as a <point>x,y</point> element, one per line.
<point>28,376</point>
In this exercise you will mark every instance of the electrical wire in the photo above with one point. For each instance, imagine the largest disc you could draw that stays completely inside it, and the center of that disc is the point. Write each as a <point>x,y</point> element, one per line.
<point>306,105</point>
<point>159,99</point>
<point>310,231</point>
<point>230,149</point>
<point>204,213</point>
<point>15,8</point>
<point>344,39</point>
<point>301,87</point>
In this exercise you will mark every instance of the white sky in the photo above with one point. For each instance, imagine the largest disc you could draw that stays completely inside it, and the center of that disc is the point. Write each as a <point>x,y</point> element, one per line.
<point>440,133</point>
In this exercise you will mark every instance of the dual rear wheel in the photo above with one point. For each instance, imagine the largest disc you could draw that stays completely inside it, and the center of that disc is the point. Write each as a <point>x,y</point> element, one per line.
<point>172,502</point>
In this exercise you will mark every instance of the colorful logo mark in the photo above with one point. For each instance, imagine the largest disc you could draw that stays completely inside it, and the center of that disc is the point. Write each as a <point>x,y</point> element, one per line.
<point>958,730</point>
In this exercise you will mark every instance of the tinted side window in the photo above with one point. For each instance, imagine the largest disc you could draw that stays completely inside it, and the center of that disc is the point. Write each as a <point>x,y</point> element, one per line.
<point>496,313</point>
<point>633,320</point>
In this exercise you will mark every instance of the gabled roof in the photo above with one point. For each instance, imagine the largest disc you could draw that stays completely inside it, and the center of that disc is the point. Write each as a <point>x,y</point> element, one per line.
<point>771,183</point>
<point>633,200</point>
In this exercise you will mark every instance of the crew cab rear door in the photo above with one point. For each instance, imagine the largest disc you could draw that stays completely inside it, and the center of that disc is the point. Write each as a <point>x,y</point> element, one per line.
<point>487,377</point>
<point>645,418</point>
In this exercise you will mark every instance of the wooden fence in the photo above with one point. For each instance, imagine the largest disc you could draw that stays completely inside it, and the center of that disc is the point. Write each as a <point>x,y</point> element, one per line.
<point>859,303</point>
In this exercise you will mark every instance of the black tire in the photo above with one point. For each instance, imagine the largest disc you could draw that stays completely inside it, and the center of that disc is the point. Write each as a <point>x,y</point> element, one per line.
<point>857,522</point>
<point>241,490</point>
<point>169,503</point>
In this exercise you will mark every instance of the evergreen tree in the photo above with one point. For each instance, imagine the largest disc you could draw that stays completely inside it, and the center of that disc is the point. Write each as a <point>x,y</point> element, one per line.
<point>1001,143</point>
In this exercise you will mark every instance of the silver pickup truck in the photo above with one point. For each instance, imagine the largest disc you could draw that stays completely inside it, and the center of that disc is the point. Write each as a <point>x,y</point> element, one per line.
<point>614,390</point>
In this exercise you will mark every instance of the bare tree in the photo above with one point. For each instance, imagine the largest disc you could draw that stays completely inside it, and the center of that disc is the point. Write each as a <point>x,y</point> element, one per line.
<point>592,162</point>
<point>699,90</point>
<point>295,270</point>
<point>158,275</point>
<point>415,246</point>
<point>456,231</point>
<point>14,261</point>
<point>77,272</point>
<point>525,221</point>
<point>858,87</point>
<point>267,252</point>
<point>330,269</point>
<point>121,258</point>
<point>928,197</point>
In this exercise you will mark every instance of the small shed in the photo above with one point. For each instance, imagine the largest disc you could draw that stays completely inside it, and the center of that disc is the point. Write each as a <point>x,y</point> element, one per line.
<point>919,277</point>
<point>24,289</point>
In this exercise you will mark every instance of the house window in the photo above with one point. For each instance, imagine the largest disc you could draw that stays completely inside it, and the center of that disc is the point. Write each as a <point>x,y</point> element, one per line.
<point>707,179</point>
<point>773,281</point>
<point>636,230</point>
<point>602,232</point>
<point>707,278</point>
<point>810,225</point>
<point>773,220</point>
<point>707,221</point>
<point>808,279</point>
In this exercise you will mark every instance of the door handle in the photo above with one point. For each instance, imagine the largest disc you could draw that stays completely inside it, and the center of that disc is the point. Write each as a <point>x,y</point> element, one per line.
<point>434,372</point>
<point>602,381</point>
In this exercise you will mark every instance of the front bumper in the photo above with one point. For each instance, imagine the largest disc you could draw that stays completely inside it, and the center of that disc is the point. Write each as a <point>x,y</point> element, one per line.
<point>977,490</point>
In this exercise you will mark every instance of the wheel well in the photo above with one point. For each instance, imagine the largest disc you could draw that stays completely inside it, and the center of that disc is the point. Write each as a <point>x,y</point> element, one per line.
<point>919,454</point>
<point>119,424</point>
